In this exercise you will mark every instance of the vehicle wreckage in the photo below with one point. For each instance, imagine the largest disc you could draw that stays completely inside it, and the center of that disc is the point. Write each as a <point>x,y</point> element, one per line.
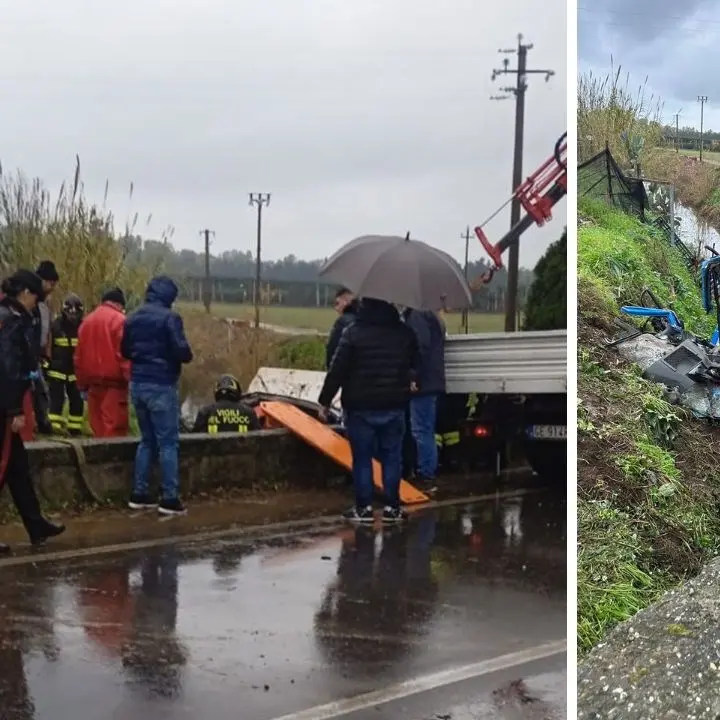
<point>687,366</point>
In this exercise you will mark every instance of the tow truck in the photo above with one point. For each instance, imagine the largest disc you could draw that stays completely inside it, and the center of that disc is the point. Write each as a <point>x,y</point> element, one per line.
<point>515,383</point>
<point>502,388</point>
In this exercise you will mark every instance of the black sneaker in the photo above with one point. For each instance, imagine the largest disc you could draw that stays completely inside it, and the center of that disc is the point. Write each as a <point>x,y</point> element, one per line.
<point>360,515</point>
<point>171,507</point>
<point>141,502</point>
<point>427,485</point>
<point>393,515</point>
<point>4,549</point>
<point>49,530</point>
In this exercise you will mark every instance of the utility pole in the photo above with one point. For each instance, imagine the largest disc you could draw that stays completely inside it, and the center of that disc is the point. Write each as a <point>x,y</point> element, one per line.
<point>207,294</point>
<point>677,131</point>
<point>702,99</point>
<point>519,91</point>
<point>258,199</point>
<point>466,311</point>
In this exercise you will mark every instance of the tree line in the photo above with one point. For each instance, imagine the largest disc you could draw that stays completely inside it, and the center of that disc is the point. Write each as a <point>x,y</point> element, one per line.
<point>289,281</point>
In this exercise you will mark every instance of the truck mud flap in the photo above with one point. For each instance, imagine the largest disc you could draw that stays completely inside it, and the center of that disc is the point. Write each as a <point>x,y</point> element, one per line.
<point>327,441</point>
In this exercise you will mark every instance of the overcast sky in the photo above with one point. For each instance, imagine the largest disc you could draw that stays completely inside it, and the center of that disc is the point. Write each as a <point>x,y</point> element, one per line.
<point>674,44</point>
<point>359,116</point>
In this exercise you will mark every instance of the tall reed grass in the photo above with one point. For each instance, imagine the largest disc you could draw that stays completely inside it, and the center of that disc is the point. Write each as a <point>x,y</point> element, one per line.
<point>67,228</point>
<point>608,109</point>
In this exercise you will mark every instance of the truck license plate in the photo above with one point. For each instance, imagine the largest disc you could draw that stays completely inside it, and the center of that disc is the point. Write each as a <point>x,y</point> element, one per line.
<point>548,432</point>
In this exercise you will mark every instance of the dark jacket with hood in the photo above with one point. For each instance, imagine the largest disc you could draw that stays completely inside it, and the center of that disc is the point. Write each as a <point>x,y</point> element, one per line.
<point>154,337</point>
<point>17,356</point>
<point>375,361</point>
<point>346,318</point>
<point>430,335</point>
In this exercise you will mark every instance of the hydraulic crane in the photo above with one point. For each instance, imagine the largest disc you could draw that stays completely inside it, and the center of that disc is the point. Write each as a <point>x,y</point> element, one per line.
<point>538,195</point>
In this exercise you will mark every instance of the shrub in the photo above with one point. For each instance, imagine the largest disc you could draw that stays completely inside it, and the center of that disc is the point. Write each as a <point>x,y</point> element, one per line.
<point>546,306</point>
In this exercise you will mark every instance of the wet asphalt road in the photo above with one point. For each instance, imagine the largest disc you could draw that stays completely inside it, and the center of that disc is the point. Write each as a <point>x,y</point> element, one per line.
<point>431,621</point>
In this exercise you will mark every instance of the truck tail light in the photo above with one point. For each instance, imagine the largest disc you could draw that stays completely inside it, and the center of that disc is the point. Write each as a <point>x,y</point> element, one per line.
<point>482,431</point>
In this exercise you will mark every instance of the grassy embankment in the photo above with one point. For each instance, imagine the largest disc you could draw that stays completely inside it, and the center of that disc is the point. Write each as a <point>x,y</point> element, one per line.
<point>648,473</point>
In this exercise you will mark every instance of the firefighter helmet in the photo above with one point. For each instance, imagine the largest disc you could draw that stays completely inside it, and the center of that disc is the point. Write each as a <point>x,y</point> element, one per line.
<point>228,388</point>
<point>73,305</point>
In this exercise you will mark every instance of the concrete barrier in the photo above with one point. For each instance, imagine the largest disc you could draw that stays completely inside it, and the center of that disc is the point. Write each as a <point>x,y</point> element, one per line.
<point>268,459</point>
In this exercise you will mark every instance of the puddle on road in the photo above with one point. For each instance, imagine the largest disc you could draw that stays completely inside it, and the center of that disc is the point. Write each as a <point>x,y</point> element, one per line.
<point>191,631</point>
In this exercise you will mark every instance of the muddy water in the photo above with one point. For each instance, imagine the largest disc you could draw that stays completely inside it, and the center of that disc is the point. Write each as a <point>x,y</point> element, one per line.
<point>235,628</point>
<point>695,232</point>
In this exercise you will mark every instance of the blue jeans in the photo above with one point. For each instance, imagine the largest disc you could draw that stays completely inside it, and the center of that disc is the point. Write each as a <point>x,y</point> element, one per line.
<point>157,408</point>
<point>369,431</point>
<point>423,411</point>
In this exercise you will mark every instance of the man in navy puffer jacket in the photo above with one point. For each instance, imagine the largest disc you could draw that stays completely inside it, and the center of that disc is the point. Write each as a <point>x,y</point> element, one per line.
<point>154,341</point>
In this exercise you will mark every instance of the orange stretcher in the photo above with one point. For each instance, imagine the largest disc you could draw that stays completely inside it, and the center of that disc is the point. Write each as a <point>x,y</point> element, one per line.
<point>323,438</point>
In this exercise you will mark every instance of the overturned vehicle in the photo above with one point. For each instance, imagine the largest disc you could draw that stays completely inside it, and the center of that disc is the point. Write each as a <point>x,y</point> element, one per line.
<point>686,365</point>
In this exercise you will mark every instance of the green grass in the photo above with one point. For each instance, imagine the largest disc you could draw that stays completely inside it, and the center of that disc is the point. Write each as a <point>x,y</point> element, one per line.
<point>314,318</point>
<point>648,480</point>
<point>711,156</point>
<point>619,256</point>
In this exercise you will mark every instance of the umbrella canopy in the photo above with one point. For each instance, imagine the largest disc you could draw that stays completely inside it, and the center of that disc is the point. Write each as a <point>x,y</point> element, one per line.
<point>399,270</point>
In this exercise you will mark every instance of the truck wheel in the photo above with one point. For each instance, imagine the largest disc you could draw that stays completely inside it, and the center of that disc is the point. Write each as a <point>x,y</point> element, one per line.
<point>548,459</point>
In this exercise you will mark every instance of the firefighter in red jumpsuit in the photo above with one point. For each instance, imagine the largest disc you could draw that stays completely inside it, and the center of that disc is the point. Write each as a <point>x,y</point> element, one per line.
<point>100,368</point>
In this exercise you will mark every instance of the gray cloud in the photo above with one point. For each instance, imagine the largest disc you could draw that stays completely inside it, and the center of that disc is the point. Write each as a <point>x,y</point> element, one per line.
<point>359,116</point>
<point>674,45</point>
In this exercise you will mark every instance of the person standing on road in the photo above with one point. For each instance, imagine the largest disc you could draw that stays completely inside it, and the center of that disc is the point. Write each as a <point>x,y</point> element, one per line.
<point>154,341</point>
<point>430,335</point>
<point>346,306</point>
<point>374,365</point>
<point>18,367</point>
<point>61,369</point>
<point>102,372</point>
<point>48,273</point>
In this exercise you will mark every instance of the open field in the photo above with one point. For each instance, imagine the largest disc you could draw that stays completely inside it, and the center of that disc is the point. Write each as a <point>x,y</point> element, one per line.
<point>708,155</point>
<point>314,318</point>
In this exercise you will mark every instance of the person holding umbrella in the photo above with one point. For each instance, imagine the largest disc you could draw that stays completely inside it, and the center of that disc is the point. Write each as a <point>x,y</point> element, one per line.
<point>375,366</point>
<point>18,367</point>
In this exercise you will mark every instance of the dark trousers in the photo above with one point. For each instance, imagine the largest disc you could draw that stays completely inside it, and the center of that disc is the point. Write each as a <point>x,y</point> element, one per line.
<point>58,390</point>
<point>15,473</point>
<point>40,405</point>
<point>376,432</point>
<point>409,449</point>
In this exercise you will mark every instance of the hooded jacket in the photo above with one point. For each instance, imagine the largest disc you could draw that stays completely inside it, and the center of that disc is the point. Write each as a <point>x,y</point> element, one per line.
<point>154,339</point>
<point>347,317</point>
<point>375,361</point>
<point>430,334</point>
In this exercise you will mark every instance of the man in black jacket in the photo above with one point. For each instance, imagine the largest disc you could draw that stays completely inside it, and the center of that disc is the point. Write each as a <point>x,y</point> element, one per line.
<point>374,364</point>
<point>346,306</point>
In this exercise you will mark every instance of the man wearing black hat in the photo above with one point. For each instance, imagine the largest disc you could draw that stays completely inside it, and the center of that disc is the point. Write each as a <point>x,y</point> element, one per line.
<point>100,369</point>
<point>47,272</point>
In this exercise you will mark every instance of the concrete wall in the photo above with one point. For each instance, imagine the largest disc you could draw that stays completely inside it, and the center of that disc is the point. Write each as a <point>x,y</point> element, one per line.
<point>270,459</point>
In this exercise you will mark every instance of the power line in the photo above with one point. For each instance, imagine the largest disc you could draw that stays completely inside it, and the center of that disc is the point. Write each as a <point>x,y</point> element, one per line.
<point>260,200</point>
<point>519,92</point>
<point>702,99</point>
<point>207,293</point>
